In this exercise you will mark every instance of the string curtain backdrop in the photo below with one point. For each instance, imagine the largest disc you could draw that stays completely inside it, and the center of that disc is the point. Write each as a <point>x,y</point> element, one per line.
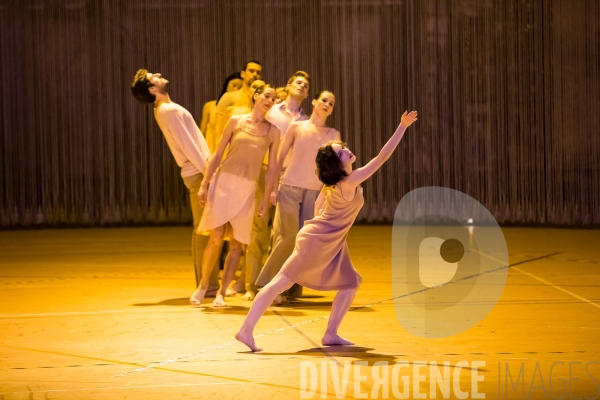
<point>508,94</point>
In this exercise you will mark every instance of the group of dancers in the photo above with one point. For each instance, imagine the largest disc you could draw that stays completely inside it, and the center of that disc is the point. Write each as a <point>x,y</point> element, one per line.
<point>264,158</point>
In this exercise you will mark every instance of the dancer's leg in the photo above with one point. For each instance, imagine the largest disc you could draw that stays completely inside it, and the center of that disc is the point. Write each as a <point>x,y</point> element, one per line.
<point>341,304</point>
<point>263,300</point>
<point>211,253</point>
<point>306,212</point>
<point>259,241</point>
<point>231,263</point>
<point>285,229</point>
<point>199,241</point>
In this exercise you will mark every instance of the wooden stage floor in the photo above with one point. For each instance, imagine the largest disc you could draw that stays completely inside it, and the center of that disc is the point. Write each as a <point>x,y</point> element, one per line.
<point>104,314</point>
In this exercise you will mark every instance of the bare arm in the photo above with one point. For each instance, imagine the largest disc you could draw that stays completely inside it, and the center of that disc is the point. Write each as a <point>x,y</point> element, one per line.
<point>320,201</point>
<point>220,114</point>
<point>361,174</point>
<point>271,175</point>
<point>205,117</point>
<point>216,159</point>
<point>288,142</point>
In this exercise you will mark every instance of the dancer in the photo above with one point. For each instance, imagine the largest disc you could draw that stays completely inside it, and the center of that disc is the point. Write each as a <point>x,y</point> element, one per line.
<point>189,149</point>
<point>231,198</point>
<point>243,97</point>
<point>242,108</point>
<point>208,124</point>
<point>321,260</point>
<point>281,94</point>
<point>281,115</point>
<point>300,186</point>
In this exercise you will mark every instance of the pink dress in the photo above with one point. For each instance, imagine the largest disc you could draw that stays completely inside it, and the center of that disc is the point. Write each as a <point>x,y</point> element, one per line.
<point>321,259</point>
<point>231,194</point>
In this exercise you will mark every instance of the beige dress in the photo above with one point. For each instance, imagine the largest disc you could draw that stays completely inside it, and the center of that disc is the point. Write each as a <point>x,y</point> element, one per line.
<point>231,194</point>
<point>321,259</point>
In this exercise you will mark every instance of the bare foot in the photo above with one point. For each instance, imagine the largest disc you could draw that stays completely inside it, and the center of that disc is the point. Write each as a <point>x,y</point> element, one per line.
<point>249,296</point>
<point>335,340</point>
<point>219,301</point>
<point>278,300</point>
<point>230,292</point>
<point>239,285</point>
<point>197,297</point>
<point>248,340</point>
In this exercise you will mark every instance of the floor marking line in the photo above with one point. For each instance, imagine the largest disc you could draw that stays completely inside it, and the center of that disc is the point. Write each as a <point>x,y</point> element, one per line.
<point>207,349</point>
<point>557,287</point>
<point>148,386</point>
<point>92,313</point>
<point>459,280</point>
<point>157,368</point>
<point>308,339</point>
<point>544,281</point>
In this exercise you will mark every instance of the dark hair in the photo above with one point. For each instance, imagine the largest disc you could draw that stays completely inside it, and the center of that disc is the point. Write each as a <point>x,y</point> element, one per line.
<point>140,86</point>
<point>318,96</point>
<point>260,90</point>
<point>235,75</point>
<point>303,74</point>
<point>330,169</point>
<point>250,62</point>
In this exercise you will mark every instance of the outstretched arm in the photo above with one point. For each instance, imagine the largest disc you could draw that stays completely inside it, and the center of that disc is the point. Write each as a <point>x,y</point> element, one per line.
<point>361,174</point>
<point>216,159</point>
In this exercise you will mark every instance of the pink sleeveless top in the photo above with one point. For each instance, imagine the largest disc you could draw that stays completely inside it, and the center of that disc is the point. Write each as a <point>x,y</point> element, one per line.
<point>301,169</point>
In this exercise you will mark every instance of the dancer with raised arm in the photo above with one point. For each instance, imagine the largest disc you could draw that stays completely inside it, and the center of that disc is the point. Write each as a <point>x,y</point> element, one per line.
<point>231,197</point>
<point>321,260</point>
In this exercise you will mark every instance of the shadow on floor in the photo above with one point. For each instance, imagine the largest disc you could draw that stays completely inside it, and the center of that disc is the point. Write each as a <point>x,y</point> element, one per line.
<point>360,353</point>
<point>209,309</point>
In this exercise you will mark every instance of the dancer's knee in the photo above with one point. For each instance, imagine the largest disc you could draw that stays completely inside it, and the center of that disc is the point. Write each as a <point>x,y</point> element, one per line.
<point>216,236</point>
<point>235,246</point>
<point>280,283</point>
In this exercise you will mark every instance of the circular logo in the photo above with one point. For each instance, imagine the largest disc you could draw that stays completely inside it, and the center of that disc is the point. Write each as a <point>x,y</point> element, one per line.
<point>449,262</point>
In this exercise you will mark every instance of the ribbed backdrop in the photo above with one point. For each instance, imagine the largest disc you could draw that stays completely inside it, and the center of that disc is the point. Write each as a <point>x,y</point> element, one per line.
<point>508,94</point>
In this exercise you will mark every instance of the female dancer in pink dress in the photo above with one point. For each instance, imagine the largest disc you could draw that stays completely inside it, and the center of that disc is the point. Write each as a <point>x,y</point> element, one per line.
<point>321,260</point>
<point>231,198</point>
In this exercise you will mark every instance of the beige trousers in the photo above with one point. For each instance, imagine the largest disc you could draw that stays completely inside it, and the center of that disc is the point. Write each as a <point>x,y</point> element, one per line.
<point>199,242</point>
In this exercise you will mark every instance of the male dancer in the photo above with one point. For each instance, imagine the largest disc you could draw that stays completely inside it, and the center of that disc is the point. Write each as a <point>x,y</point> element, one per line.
<point>239,98</point>
<point>281,115</point>
<point>189,149</point>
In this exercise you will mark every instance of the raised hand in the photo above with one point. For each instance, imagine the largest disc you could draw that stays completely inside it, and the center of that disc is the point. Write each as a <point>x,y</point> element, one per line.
<point>408,118</point>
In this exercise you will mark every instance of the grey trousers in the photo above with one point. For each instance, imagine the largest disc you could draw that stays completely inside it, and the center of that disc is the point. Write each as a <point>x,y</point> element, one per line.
<point>295,206</point>
<point>260,238</point>
<point>199,242</point>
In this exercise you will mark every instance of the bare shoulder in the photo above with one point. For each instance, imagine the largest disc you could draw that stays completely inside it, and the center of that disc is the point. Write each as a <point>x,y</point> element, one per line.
<point>233,121</point>
<point>228,99</point>
<point>210,104</point>
<point>296,124</point>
